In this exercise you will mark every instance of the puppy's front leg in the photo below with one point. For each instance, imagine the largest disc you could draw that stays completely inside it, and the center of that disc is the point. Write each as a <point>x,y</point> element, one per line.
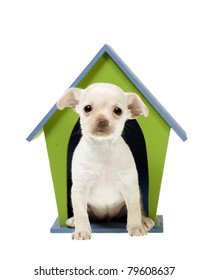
<point>134,226</point>
<point>79,203</point>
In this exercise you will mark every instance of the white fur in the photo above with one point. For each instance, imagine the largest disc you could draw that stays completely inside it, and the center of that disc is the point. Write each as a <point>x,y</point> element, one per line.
<point>104,175</point>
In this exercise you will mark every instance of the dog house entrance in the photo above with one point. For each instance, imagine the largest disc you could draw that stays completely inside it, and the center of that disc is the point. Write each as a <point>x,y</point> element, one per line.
<point>133,136</point>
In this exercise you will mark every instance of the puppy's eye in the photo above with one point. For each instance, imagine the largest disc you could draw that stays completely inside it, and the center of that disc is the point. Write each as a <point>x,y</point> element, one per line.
<point>117,111</point>
<point>88,108</point>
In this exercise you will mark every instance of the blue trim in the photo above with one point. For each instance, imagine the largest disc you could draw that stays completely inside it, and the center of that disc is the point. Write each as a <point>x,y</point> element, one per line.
<point>42,123</point>
<point>90,65</point>
<point>108,227</point>
<point>146,93</point>
<point>74,84</point>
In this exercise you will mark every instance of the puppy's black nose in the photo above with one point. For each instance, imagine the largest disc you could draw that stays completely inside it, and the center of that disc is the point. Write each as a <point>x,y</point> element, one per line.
<point>102,123</point>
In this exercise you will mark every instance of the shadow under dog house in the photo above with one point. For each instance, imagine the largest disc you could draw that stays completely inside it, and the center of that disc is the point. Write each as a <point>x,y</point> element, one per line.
<point>146,137</point>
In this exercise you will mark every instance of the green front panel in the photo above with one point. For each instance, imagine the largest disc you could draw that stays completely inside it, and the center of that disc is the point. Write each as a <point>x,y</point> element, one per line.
<point>57,133</point>
<point>156,133</point>
<point>58,130</point>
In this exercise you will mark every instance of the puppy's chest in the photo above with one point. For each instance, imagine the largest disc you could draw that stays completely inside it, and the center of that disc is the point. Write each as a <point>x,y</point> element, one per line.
<point>104,164</point>
<point>105,170</point>
<point>105,187</point>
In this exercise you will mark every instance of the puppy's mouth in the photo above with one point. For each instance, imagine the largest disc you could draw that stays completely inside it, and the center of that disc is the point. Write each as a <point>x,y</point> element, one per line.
<point>101,131</point>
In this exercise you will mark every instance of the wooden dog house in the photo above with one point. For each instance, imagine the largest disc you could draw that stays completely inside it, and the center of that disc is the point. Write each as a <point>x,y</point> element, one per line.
<point>146,137</point>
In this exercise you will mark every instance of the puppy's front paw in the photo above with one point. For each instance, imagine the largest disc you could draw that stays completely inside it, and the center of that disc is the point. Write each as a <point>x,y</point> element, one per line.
<point>137,231</point>
<point>84,235</point>
<point>148,223</point>
<point>70,222</point>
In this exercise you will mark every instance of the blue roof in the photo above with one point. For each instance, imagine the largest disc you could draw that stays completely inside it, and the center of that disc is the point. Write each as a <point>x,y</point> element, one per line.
<point>139,85</point>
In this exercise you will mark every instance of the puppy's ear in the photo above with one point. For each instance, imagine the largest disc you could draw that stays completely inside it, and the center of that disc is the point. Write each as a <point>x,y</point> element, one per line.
<point>70,99</point>
<point>136,106</point>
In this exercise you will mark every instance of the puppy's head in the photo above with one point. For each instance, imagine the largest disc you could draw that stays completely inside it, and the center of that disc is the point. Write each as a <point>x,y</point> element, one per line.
<point>103,109</point>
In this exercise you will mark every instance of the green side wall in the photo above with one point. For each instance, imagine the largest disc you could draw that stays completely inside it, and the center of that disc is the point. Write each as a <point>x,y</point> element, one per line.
<point>58,130</point>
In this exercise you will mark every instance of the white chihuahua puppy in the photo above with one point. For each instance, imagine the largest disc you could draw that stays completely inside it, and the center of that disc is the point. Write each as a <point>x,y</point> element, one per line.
<point>104,174</point>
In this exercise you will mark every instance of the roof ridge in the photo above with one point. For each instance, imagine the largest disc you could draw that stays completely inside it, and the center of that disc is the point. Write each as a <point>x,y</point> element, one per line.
<point>133,78</point>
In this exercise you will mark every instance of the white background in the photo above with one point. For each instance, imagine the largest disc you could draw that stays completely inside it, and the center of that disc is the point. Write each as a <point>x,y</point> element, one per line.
<point>44,46</point>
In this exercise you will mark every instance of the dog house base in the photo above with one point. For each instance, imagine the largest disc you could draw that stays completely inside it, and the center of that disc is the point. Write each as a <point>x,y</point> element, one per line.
<point>107,227</point>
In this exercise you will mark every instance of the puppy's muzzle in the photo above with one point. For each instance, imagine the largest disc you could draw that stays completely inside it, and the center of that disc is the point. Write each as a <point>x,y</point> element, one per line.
<point>101,127</point>
<point>102,123</point>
